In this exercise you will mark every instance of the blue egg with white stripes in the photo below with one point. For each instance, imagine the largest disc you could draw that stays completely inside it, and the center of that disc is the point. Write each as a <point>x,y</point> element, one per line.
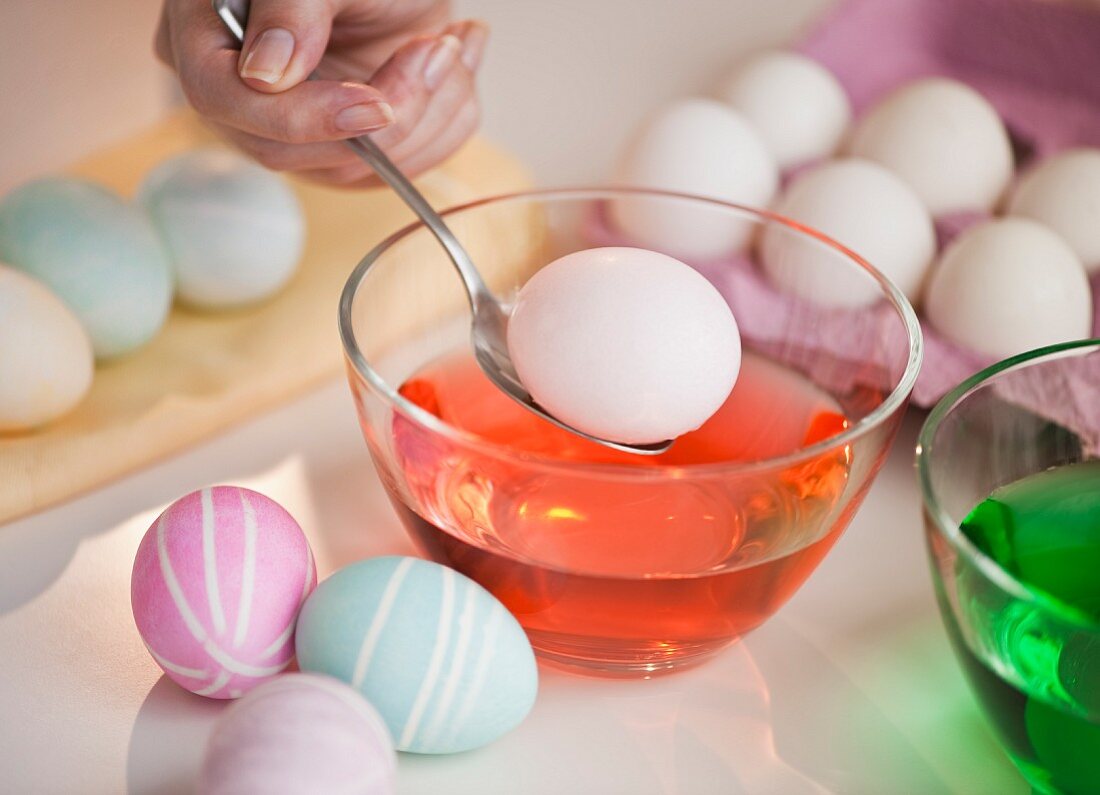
<point>444,663</point>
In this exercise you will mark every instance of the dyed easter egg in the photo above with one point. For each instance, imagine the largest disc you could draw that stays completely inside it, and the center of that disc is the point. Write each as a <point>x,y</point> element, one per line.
<point>300,733</point>
<point>217,584</point>
<point>97,253</point>
<point>445,663</point>
<point>234,229</point>
<point>45,355</point>
<point>700,147</point>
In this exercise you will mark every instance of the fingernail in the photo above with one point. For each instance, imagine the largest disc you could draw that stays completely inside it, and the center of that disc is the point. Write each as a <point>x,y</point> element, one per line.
<point>473,45</point>
<point>440,60</point>
<point>269,56</point>
<point>369,116</point>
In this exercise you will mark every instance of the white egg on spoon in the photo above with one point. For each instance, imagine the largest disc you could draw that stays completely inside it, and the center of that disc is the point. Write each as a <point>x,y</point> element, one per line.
<point>1063,192</point>
<point>1007,286</point>
<point>625,344</point>
<point>944,139</point>
<point>865,208</point>
<point>796,105</point>
<point>700,147</point>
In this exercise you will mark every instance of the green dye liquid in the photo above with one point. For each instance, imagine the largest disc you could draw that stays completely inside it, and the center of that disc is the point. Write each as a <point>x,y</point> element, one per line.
<point>1038,680</point>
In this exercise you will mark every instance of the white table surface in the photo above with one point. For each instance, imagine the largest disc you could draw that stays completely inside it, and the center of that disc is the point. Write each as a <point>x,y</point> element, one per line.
<point>851,688</point>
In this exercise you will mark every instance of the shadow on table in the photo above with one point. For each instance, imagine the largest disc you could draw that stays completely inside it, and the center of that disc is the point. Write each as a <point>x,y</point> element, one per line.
<point>168,740</point>
<point>770,716</point>
<point>353,518</point>
<point>34,551</point>
<point>897,718</point>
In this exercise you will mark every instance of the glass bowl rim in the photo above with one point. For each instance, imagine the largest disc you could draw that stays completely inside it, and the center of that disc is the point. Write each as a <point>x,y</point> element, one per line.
<point>891,403</point>
<point>949,528</point>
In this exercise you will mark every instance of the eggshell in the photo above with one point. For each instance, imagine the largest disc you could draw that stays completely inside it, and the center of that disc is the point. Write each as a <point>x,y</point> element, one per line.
<point>217,584</point>
<point>445,664</point>
<point>944,139</point>
<point>97,253</point>
<point>46,360</point>
<point>864,207</point>
<point>625,344</point>
<point>297,734</point>
<point>1063,192</point>
<point>796,105</point>
<point>700,147</point>
<point>1008,286</point>
<point>234,229</point>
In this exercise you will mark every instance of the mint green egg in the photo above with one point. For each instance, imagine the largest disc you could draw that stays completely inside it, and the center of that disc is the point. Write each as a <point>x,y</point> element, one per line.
<point>96,252</point>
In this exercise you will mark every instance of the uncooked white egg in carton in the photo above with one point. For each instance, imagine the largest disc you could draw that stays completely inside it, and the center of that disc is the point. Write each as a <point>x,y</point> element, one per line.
<point>992,236</point>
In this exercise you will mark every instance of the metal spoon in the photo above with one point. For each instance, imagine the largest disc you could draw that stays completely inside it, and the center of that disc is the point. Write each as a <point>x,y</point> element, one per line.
<point>489,326</point>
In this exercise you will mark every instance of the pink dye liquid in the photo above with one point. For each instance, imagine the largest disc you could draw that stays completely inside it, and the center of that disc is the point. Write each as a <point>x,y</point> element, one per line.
<point>615,572</point>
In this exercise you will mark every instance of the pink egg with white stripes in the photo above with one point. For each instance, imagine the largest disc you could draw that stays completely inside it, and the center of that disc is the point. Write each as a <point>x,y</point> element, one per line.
<point>217,584</point>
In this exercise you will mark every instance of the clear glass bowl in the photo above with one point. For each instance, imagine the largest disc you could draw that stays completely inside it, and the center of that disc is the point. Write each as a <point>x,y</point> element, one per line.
<point>613,563</point>
<point>1032,660</point>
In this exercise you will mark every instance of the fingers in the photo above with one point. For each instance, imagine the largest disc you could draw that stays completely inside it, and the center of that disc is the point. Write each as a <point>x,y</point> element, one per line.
<point>162,48</point>
<point>448,117</point>
<point>278,156</point>
<point>454,99</point>
<point>284,42</point>
<point>410,78</point>
<point>420,106</point>
<point>311,111</point>
<point>474,35</point>
<point>437,123</point>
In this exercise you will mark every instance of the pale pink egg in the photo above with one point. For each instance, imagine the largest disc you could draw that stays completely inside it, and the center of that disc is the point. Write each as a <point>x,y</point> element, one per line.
<point>303,733</point>
<point>217,584</point>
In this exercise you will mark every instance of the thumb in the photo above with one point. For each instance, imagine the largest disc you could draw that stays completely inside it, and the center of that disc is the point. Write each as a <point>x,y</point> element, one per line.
<point>283,42</point>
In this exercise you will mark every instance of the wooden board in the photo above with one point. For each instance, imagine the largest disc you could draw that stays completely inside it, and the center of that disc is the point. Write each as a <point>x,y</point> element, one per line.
<point>204,372</point>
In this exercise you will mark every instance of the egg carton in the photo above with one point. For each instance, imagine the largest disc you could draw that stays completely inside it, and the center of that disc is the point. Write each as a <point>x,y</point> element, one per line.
<point>1036,61</point>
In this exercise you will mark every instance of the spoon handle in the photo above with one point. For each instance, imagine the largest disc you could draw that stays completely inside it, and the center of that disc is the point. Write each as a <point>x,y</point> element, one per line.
<point>234,15</point>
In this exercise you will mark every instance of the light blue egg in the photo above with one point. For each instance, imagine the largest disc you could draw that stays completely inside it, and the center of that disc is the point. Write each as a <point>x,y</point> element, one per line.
<point>96,252</point>
<point>445,663</point>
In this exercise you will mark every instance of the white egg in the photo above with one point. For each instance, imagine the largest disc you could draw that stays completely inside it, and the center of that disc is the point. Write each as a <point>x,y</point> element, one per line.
<point>625,344</point>
<point>703,148</point>
<point>1008,286</point>
<point>796,105</point>
<point>864,207</point>
<point>46,359</point>
<point>944,139</point>
<point>1063,192</point>
<point>235,230</point>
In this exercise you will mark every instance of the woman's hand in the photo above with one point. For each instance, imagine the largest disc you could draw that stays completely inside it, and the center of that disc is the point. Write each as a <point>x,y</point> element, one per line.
<point>420,103</point>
